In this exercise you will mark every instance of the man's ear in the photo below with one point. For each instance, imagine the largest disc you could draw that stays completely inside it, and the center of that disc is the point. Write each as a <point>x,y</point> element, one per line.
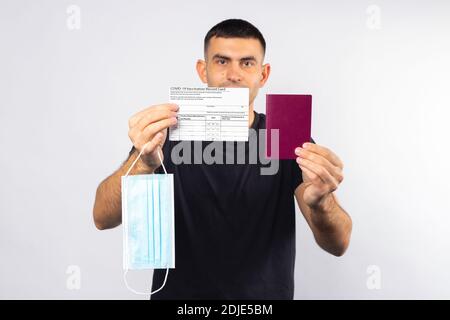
<point>201,70</point>
<point>264,75</point>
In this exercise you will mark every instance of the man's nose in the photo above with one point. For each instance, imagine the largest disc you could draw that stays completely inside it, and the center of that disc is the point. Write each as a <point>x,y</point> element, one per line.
<point>234,73</point>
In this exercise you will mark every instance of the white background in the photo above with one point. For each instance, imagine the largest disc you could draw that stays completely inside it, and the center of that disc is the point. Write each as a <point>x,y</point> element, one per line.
<point>380,101</point>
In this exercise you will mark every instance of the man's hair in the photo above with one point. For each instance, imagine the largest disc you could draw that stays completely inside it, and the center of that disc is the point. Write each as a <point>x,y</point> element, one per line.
<point>234,28</point>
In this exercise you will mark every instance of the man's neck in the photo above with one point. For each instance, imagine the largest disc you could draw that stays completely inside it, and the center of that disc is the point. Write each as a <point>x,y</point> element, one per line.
<point>251,116</point>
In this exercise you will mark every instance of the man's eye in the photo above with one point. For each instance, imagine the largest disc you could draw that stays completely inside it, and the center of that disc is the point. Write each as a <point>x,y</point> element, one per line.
<point>248,63</point>
<point>221,61</point>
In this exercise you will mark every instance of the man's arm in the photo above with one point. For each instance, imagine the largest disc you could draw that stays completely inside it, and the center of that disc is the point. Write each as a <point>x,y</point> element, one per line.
<point>322,173</point>
<point>147,132</point>
<point>330,224</point>
<point>108,198</point>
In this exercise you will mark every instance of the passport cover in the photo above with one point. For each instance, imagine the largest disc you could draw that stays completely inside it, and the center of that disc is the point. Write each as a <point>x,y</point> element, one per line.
<point>291,115</point>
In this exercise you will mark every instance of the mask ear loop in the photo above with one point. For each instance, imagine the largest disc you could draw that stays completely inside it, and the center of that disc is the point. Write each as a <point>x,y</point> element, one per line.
<point>140,153</point>
<point>126,231</point>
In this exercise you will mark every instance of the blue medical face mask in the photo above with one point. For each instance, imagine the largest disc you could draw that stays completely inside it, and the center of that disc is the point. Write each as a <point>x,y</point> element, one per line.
<point>148,222</point>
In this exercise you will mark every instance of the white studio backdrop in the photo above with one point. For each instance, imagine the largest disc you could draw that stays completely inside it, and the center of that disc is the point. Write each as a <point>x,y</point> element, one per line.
<point>73,72</point>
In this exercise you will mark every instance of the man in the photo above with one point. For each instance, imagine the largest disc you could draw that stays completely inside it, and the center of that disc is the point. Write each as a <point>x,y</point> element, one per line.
<point>235,228</point>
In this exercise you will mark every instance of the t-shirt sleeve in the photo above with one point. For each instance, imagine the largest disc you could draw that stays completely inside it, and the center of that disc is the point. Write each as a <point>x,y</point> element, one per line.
<point>131,151</point>
<point>297,178</point>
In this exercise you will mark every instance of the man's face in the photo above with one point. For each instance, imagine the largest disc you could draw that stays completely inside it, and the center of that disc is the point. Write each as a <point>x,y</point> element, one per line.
<point>234,62</point>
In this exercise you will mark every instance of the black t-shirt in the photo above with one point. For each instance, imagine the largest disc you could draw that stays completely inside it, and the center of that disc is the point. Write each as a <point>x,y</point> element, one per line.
<point>234,227</point>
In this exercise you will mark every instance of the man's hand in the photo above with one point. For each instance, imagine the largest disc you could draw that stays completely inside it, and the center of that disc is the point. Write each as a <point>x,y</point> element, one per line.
<point>322,173</point>
<point>150,126</point>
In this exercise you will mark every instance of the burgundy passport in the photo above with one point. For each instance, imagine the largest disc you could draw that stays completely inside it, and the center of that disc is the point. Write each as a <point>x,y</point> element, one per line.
<point>291,115</point>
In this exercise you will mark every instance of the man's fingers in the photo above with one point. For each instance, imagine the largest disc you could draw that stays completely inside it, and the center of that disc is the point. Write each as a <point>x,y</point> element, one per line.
<point>321,172</point>
<point>168,106</point>
<point>335,171</point>
<point>156,127</point>
<point>324,152</point>
<point>138,116</point>
<point>310,176</point>
<point>153,116</point>
<point>153,144</point>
